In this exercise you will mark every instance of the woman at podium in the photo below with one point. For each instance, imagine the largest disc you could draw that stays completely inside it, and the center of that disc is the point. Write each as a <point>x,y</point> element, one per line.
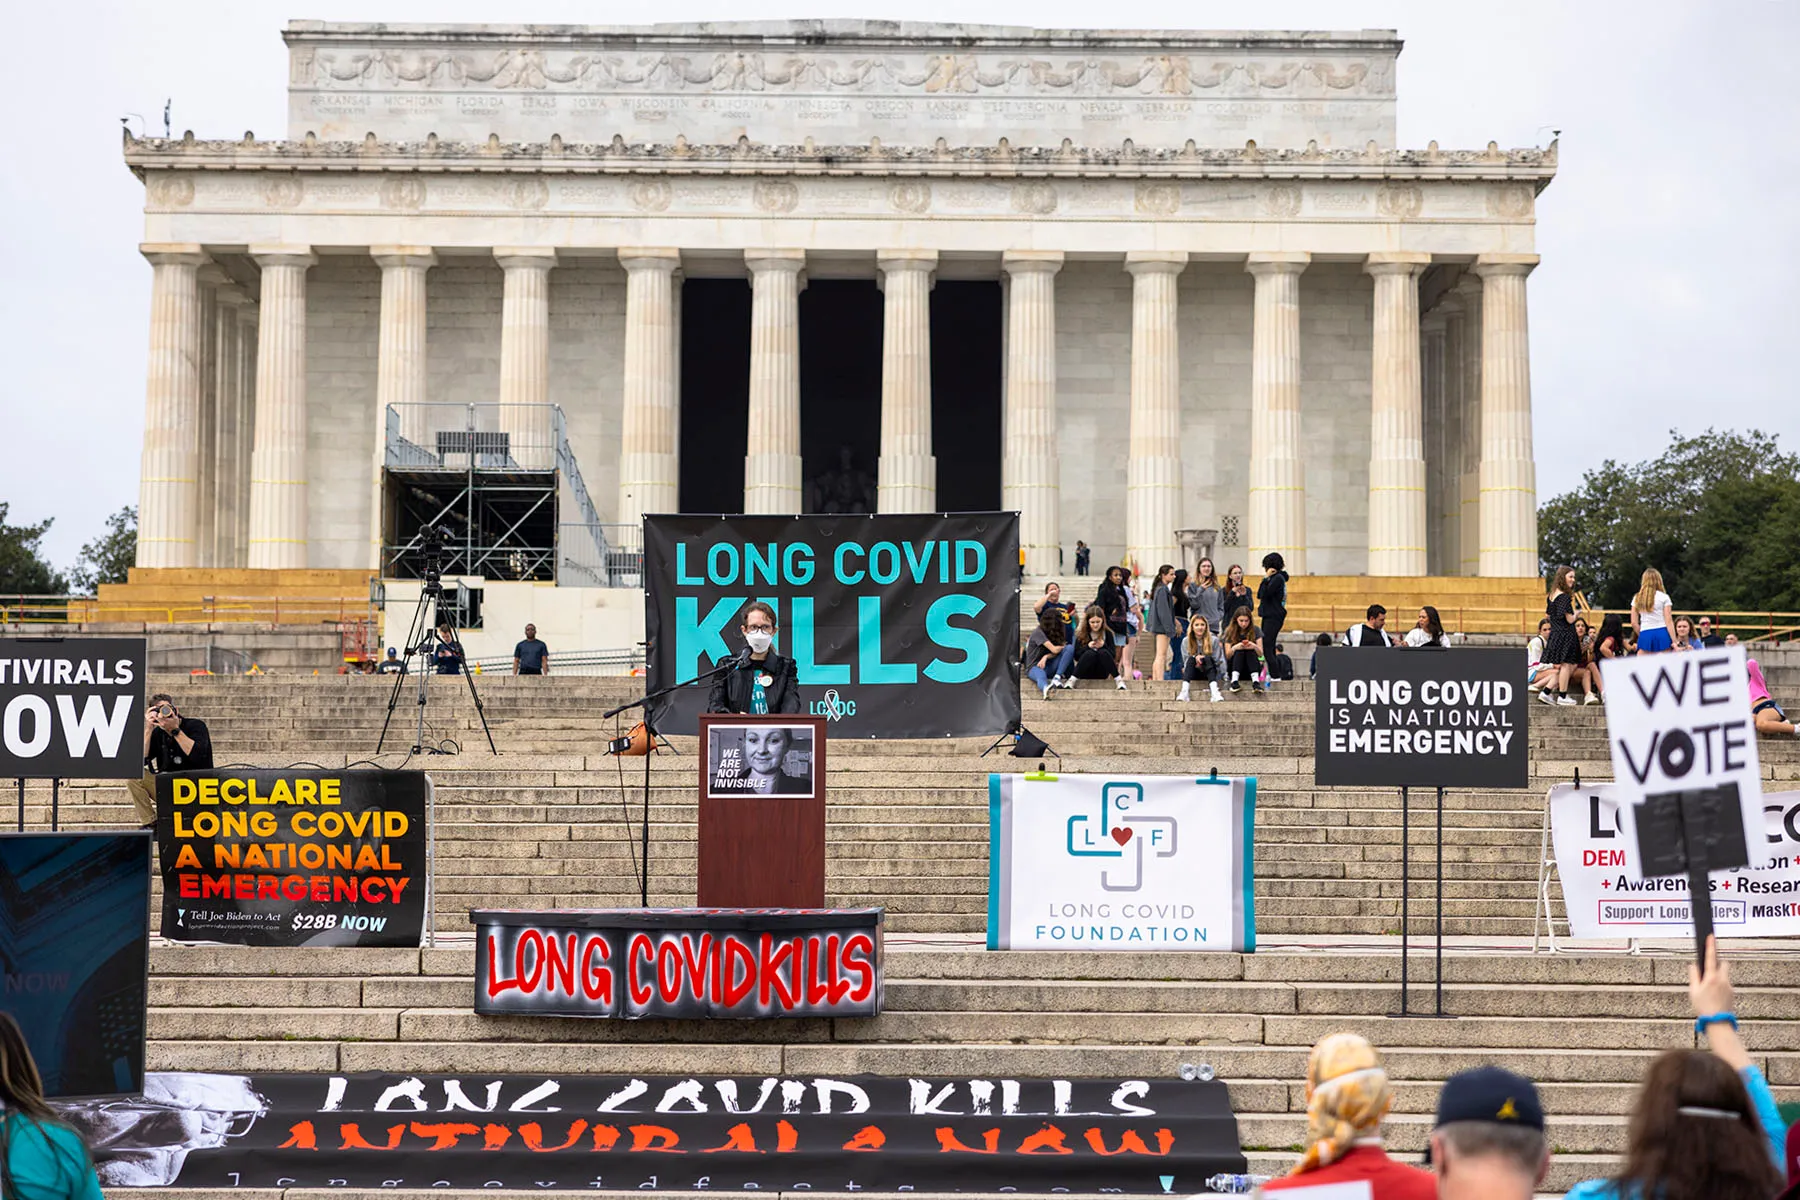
<point>758,680</point>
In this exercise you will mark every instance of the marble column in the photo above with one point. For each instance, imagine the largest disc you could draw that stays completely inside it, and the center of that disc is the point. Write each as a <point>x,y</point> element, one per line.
<point>229,469</point>
<point>1396,433</point>
<point>211,278</point>
<point>278,476</point>
<point>1448,497</point>
<point>1153,469</point>
<point>772,480</point>
<point>1468,290</point>
<point>169,485</point>
<point>1509,535</point>
<point>400,365</point>
<point>1431,390</point>
<point>400,356</point>
<point>525,355</point>
<point>1029,471</point>
<point>906,475</point>
<point>648,468</point>
<point>1277,475</point>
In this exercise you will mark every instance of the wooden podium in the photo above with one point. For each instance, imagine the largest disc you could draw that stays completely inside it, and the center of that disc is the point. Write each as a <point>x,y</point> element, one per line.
<point>762,811</point>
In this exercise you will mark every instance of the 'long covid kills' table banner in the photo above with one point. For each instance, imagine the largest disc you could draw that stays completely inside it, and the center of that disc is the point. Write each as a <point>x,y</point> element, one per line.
<point>1121,862</point>
<point>294,858</point>
<point>898,626</point>
<point>587,1132</point>
<point>1606,897</point>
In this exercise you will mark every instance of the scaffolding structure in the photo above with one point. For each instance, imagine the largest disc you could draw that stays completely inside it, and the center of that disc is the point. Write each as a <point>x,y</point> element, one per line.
<point>502,481</point>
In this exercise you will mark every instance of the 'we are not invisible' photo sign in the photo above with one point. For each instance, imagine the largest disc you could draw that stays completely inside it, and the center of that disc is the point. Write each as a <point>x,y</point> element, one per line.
<point>1680,722</point>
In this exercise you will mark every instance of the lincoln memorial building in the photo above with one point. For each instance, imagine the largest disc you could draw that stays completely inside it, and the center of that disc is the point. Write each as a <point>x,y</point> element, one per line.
<point>533,282</point>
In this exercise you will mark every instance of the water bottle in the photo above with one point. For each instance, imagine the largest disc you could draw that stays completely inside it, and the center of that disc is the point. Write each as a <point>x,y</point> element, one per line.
<point>1236,1184</point>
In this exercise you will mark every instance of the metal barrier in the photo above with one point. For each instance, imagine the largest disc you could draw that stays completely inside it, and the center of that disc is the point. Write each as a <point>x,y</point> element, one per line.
<point>207,610</point>
<point>1749,626</point>
<point>572,662</point>
<point>596,555</point>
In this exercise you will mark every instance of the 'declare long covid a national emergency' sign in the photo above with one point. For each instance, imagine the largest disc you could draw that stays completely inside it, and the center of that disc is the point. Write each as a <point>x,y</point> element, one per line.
<point>898,626</point>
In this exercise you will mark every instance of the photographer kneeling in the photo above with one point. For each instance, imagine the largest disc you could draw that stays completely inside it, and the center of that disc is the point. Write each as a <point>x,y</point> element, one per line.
<point>172,743</point>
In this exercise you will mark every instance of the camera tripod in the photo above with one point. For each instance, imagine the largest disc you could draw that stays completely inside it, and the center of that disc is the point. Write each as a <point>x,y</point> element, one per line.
<point>421,635</point>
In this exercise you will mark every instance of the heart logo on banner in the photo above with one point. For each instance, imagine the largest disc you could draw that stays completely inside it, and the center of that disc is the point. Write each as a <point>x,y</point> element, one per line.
<point>1120,835</point>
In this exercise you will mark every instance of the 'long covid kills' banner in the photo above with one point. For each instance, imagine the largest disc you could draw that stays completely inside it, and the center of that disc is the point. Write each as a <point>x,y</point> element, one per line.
<point>293,858</point>
<point>1606,896</point>
<point>898,626</point>
<point>71,708</point>
<point>590,1132</point>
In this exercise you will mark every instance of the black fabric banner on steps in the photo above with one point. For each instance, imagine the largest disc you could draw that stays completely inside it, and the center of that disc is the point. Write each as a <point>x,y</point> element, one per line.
<point>864,1133</point>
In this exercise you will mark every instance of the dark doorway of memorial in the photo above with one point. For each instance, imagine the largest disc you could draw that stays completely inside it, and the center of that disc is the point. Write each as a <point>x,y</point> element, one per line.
<point>840,394</point>
<point>715,394</point>
<point>966,318</point>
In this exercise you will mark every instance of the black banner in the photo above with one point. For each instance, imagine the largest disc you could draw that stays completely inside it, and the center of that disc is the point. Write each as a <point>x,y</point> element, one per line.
<point>293,858</point>
<point>636,963</point>
<point>75,955</point>
<point>862,1133</point>
<point>899,626</point>
<point>71,708</point>
<point>1421,718</point>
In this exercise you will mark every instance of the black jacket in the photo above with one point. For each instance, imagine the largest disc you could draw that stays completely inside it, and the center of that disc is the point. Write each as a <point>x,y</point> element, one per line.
<point>731,690</point>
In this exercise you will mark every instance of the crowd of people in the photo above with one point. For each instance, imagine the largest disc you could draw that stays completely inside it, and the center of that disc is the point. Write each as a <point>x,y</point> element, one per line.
<point>1704,1124</point>
<point>1203,630</point>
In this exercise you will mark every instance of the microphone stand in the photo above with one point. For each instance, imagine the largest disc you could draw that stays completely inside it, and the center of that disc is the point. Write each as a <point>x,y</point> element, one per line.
<point>650,740</point>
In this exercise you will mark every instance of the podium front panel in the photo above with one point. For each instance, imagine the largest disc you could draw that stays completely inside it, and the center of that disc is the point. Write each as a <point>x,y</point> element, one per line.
<point>762,811</point>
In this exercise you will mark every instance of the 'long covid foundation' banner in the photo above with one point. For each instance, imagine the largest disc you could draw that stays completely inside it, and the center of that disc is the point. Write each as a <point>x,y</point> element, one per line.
<point>1104,862</point>
<point>293,858</point>
<point>590,1132</point>
<point>1607,896</point>
<point>899,626</point>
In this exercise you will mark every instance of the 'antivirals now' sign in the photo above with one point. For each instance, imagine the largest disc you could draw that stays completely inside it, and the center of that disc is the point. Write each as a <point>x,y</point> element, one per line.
<point>1421,718</point>
<point>71,708</point>
<point>636,963</point>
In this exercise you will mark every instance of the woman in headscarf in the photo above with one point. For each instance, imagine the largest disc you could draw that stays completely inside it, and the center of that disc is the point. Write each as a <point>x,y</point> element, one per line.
<point>1347,1097</point>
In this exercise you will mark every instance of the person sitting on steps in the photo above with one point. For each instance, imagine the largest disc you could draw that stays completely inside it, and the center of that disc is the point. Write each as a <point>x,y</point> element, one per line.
<point>1202,662</point>
<point>172,743</point>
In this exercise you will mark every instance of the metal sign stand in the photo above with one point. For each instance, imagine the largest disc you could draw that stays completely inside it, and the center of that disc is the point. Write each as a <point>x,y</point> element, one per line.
<point>1406,908</point>
<point>21,782</point>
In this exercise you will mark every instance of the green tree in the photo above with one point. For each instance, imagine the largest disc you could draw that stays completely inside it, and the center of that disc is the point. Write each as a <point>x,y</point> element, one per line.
<point>107,558</point>
<point>22,566</point>
<point>1713,513</point>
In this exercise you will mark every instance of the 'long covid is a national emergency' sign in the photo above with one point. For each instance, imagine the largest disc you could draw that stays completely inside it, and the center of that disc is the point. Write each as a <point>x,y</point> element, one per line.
<point>1421,718</point>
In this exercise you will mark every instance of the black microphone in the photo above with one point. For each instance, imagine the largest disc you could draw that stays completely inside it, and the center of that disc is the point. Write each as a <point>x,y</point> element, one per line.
<point>742,660</point>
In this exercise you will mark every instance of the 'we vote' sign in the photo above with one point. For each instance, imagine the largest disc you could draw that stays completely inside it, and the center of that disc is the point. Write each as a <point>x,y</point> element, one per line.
<point>1680,722</point>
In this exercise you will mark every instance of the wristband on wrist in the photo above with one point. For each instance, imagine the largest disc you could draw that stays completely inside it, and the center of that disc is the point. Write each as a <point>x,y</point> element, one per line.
<point>1718,1018</point>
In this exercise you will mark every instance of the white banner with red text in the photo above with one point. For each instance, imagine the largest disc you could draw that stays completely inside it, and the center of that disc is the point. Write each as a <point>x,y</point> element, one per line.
<point>1605,897</point>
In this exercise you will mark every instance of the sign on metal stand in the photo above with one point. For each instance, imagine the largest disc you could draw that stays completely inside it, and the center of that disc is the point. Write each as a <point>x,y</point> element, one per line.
<point>1420,718</point>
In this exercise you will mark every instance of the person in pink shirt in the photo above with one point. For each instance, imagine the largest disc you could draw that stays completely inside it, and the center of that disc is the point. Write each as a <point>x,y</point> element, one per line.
<point>1764,712</point>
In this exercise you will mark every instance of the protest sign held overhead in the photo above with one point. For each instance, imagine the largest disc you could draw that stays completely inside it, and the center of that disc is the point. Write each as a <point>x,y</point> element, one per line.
<point>1604,897</point>
<point>293,858</point>
<point>1680,724</point>
<point>1421,718</point>
<point>71,708</point>
<point>898,626</point>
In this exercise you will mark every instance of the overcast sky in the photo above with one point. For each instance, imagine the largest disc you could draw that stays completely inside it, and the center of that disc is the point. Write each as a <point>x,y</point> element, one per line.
<point>1665,298</point>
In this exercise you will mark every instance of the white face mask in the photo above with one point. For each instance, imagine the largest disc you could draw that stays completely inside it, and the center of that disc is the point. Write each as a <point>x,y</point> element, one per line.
<point>759,640</point>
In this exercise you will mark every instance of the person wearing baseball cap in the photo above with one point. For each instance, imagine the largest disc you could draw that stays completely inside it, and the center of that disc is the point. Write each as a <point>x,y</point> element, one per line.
<point>1488,1140</point>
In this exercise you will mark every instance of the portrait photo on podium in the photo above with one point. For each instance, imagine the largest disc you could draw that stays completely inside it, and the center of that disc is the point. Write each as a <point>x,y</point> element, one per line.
<point>761,759</point>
